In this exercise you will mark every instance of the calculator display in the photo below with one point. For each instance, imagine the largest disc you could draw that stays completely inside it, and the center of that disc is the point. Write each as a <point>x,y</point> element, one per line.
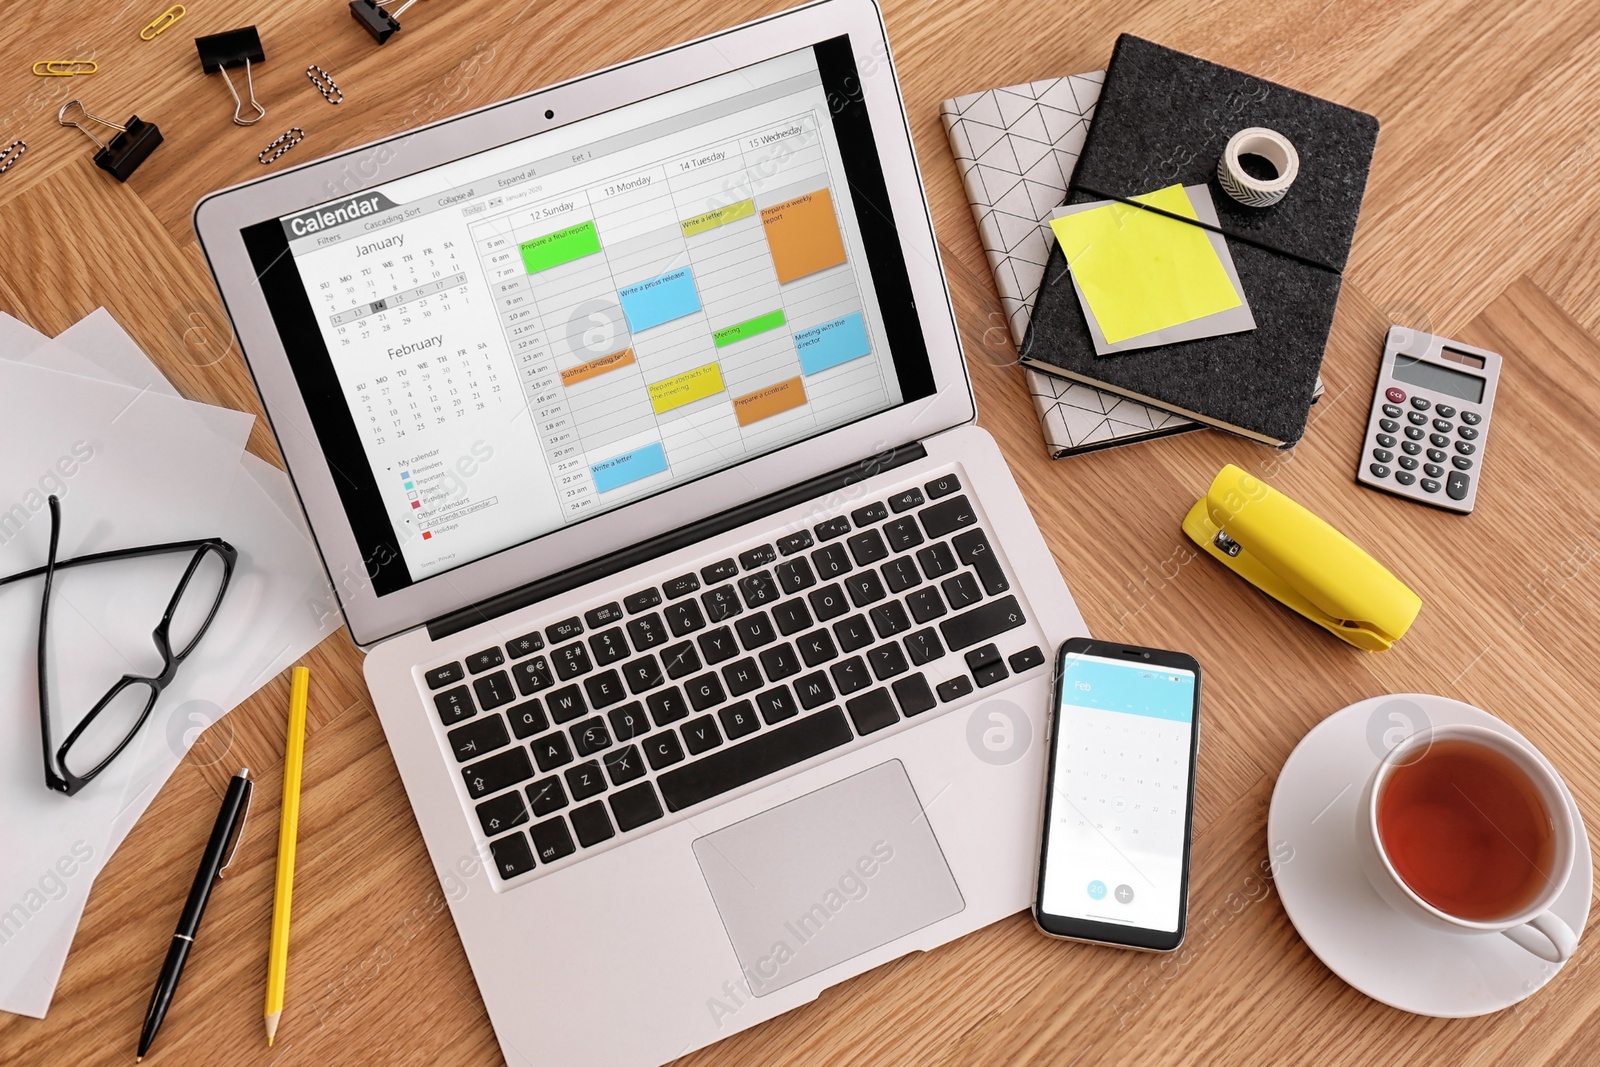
<point>1119,806</point>
<point>1439,379</point>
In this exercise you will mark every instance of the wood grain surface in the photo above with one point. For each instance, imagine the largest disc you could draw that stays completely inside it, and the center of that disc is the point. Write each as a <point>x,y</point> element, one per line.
<point>1482,221</point>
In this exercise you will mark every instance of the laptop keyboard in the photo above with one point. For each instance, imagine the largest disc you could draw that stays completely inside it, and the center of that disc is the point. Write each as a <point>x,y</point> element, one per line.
<point>605,723</point>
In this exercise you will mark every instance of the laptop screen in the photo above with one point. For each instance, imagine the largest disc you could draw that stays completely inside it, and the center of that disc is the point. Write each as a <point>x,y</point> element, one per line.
<point>521,339</point>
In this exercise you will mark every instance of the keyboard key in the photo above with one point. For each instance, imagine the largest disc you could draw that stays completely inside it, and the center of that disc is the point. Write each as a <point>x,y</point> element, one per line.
<point>913,695</point>
<point>795,575</point>
<point>700,735</point>
<point>718,645</point>
<point>791,617</point>
<point>605,689</point>
<point>683,586</point>
<point>961,591</point>
<point>479,662</point>
<point>628,721</point>
<point>867,548</point>
<point>528,719</point>
<point>721,603</point>
<point>643,599</point>
<point>943,486</point>
<point>565,630</point>
<point>831,528</point>
<point>609,646</point>
<point>476,738</point>
<point>705,691</point>
<point>755,631</point>
<point>936,560</point>
<point>796,542</point>
<point>973,549</point>
<point>552,841</point>
<point>680,659</point>
<point>765,753</point>
<point>943,519</point>
<point>526,645</point>
<point>585,780</point>
<point>778,663</point>
<point>759,556</point>
<point>684,617</point>
<point>828,602</point>
<point>493,690</point>
<point>903,534</point>
<point>901,574</point>
<point>624,765</point>
<point>603,615</point>
<point>590,736</point>
<point>636,806</point>
<point>502,813</point>
<point>813,690</point>
<point>546,795</point>
<point>454,705</point>
<point>831,561</point>
<point>889,619</point>
<point>887,661</point>
<point>551,751</point>
<point>663,749</point>
<point>982,623</point>
<point>739,719</point>
<point>742,677</point>
<point>533,675</point>
<point>667,706</point>
<point>864,588</point>
<point>872,711</point>
<point>497,772</point>
<point>926,605</point>
<point>955,688</point>
<point>816,647</point>
<point>924,646</point>
<point>512,856</point>
<point>592,824</point>
<point>571,661</point>
<point>758,589</point>
<point>450,672</point>
<point>642,674</point>
<point>1027,659</point>
<point>871,513</point>
<point>905,501</point>
<point>986,666</point>
<point>853,633</point>
<point>566,704</point>
<point>719,572</point>
<point>851,675</point>
<point>647,632</point>
<point>775,705</point>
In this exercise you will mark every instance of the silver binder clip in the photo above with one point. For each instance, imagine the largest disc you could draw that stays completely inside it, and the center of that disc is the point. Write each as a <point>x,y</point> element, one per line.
<point>235,48</point>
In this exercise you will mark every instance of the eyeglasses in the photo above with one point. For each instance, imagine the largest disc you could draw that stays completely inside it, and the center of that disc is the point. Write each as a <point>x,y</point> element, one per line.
<point>190,613</point>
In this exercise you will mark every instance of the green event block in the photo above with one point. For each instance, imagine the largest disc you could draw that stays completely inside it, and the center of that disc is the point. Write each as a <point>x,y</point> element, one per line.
<point>563,246</point>
<point>749,328</point>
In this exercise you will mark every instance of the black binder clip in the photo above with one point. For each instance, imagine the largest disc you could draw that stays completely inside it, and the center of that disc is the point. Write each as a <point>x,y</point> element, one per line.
<point>235,48</point>
<point>376,20</point>
<point>130,147</point>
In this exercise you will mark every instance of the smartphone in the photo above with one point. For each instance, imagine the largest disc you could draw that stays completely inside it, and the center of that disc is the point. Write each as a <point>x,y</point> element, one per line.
<point>1123,737</point>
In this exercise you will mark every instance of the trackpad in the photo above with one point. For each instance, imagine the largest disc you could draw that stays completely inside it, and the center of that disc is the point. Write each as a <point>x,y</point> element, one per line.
<point>827,876</point>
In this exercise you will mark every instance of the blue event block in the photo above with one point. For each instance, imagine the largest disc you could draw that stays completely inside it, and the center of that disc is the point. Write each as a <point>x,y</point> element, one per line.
<point>832,343</point>
<point>618,471</point>
<point>660,299</point>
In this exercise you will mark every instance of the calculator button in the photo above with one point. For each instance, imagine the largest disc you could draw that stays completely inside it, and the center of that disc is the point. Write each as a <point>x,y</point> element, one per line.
<point>1443,425</point>
<point>1418,418</point>
<point>1458,485</point>
<point>1420,403</point>
<point>1388,425</point>
<point>1407,463</point>
<point>1438,440</point>
<point>1414,434</point>
<point>1466,448</point>
<point>1404,477</point>
<point>1391,411</point>
<point>1461,463</point>
<point>1471,418</point>
<point>1410,448</point>
<point>1383,455</point>
<point>1396,395</point>
<point>1436,455</point>
<point>1430,485</point>
<point>1467,433</point>
<point>1433,470</point>
<point>1379,470</point>
<point>1385,441</point>
<point>1444,411</point>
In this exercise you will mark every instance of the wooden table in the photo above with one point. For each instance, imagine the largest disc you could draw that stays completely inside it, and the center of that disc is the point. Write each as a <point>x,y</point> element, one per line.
<point>1482,221</point>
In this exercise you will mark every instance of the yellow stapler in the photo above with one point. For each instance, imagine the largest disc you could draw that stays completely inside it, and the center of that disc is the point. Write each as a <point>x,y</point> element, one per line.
<point>1294,557</point>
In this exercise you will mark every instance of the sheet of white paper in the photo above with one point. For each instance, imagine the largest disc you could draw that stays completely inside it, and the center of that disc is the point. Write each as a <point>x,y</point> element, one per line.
<point>17,338</point>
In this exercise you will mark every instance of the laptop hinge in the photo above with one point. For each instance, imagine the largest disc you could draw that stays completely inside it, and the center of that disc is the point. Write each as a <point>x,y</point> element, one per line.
<point>671,541</point>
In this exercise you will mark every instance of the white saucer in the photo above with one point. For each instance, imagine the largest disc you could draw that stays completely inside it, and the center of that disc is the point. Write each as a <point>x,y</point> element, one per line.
<point>1342,918</point>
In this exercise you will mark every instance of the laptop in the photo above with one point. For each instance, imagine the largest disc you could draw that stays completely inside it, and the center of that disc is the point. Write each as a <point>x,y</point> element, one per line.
<point>711,637</point>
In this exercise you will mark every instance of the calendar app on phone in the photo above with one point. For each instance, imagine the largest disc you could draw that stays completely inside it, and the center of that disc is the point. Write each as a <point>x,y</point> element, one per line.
<point>1119,807</point>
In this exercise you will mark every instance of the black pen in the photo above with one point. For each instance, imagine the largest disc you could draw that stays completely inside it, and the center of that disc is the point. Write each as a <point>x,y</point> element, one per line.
<point>219,851</point>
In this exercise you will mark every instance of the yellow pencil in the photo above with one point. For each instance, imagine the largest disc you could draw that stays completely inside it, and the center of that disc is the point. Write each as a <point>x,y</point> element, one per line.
<point>288,826</point>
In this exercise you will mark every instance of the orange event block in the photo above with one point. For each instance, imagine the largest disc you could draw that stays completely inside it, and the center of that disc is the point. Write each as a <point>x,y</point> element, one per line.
<point>803,235</point>
<point>769,401</point>
<point>596,367</point>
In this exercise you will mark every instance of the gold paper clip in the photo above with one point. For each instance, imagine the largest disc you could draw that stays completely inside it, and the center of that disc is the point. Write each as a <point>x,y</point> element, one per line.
<point>163,22</point>
<point>64,68</point>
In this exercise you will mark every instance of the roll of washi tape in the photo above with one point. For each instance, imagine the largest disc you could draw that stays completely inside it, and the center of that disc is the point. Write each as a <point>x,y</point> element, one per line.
<point>1269,145</point>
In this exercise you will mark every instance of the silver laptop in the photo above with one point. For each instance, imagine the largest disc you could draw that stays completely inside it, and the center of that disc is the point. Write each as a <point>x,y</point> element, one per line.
<point>711,639</point>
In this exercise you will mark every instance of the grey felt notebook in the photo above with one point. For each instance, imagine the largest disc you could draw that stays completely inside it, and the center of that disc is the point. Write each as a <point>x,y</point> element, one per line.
<point>1164,117</point>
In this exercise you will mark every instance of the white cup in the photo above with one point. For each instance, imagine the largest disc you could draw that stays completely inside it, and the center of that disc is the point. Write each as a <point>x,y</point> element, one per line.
<point>1535,927</point>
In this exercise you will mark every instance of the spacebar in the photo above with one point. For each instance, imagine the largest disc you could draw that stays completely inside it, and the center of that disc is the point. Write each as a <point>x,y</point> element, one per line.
<point>753,759</point>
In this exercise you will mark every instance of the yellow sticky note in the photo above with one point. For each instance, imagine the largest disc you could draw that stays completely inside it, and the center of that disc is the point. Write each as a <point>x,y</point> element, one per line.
<point>1139,271</point>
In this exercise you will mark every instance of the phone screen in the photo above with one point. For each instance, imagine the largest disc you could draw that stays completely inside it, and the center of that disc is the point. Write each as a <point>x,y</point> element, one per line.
<point>1116,840</point>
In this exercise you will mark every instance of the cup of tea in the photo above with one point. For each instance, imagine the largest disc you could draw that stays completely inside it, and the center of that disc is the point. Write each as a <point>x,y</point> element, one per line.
<point>1469,831</point>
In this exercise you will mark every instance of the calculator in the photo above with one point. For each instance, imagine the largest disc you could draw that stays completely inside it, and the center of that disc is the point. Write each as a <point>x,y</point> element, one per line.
<point>1430,419</point>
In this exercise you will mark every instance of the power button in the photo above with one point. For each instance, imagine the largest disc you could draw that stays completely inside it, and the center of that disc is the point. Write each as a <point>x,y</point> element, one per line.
<point>1396,395</point>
